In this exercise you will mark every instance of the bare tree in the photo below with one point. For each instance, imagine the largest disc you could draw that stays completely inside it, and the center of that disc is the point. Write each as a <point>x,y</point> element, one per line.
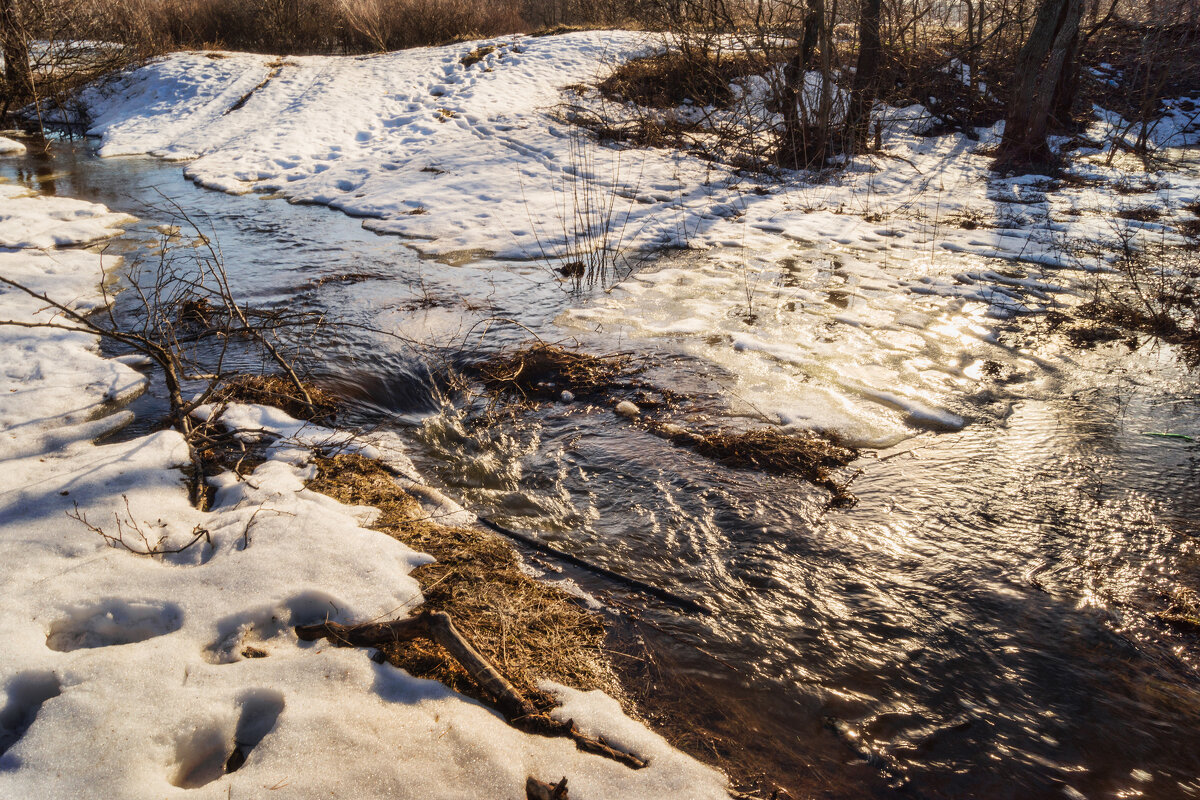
<point>866,75</point>
<point>1044,68</point>
<point>14,42</point>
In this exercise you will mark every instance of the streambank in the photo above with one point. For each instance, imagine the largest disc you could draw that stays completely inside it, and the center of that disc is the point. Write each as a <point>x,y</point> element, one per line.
<point>147,641</point>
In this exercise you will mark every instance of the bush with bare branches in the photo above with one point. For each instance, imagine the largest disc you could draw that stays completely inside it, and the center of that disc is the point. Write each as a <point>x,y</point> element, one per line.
<point>180,313</point>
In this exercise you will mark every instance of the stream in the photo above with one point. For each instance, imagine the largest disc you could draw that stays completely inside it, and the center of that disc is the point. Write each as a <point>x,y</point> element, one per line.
<point>980,624</point>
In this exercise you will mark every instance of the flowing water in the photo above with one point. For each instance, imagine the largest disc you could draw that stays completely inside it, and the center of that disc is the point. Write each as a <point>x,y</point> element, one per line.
<point>980,624</point>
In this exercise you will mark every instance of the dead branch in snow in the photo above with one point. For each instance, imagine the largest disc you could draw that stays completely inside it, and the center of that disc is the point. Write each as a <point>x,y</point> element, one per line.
<point>438,626</point>
<point>147,548</point>
<point>537,790</point>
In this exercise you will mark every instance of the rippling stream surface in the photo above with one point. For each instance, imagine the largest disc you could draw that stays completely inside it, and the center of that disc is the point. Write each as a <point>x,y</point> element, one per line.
<point>980,624</point>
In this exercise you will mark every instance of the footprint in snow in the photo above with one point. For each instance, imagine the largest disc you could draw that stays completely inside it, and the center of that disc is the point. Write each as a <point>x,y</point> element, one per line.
<point>27,693</point>
<point>260,711</point>
<point>206,752</point>
<point>254,633</point>
<point>113,622</point>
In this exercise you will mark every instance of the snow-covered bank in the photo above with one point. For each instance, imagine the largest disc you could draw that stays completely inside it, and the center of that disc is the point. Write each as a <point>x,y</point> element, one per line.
<point>816,294</point>
<point>476,156</point>
<point>132,676</point>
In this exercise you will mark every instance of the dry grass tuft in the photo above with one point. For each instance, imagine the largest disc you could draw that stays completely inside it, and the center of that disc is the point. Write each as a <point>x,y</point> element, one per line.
<point>969,219</point>
<point>278,391</point>
<point>529,629</point>
<point>558,30</point>
<point>1128,186</point>
<point>810,456</point>
<point>1182,612</point>
<point>1140,213</point>
<point>545,370</point>
<point>478,54</point>
<point>645,132</point>
<point>1136,317</point>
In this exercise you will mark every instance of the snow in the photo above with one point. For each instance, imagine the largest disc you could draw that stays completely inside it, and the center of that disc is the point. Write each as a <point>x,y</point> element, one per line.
<point>28,221</point>
<point>9,147</point>
<point>803,291</point>
<point>128,675</point>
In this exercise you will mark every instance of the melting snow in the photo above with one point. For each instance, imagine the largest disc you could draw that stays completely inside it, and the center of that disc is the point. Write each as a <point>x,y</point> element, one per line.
<point>130,676</point>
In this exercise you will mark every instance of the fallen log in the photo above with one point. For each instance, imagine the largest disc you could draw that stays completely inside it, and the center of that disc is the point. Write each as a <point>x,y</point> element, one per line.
<point>438,627</point>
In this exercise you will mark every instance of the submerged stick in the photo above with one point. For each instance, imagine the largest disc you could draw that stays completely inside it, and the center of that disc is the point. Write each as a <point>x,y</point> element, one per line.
<point>641,586</point>
<point>438,626</point>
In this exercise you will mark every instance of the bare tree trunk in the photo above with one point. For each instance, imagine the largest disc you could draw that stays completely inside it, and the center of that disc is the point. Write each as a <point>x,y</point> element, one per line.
<point>866,75</point>
<point>14,41</point>
<point>824,123</point>
<point>1043,68</point>
<point>1067,88</point>
<point>796,150</point>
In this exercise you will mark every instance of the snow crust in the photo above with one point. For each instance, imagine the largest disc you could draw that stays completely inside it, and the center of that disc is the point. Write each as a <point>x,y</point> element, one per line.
<point>128,675</point>
<point>10,147</point>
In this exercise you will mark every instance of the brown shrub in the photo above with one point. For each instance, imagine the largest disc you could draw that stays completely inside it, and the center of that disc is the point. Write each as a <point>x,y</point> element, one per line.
<point>284,27</point>
<point>667,79</point>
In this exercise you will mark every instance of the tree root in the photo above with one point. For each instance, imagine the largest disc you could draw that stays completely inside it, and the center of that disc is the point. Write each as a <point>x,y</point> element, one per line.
<point>438,626</point>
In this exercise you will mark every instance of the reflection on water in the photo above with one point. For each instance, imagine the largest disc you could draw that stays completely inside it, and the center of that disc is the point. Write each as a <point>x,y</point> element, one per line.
<point>979,625</point>
<point>981,617</point>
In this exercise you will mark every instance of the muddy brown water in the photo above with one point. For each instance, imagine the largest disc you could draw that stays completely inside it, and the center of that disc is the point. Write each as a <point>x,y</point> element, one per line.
<point>980,624</point>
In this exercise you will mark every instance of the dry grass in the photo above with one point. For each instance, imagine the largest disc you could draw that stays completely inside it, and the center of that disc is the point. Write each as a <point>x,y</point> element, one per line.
<point>1182,611</point>
<point>1136,317</point>
<point>478,54</point>
<point>644,132</point>
<point>1140,213</point>
<point>278,391</point>
<point>1128,186</point>
<point>770,450</point>
<point>560,29</point>
<point>529,629</point>
<point>667,79</point>
<point>969,219</point>
<point>545,370</point>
